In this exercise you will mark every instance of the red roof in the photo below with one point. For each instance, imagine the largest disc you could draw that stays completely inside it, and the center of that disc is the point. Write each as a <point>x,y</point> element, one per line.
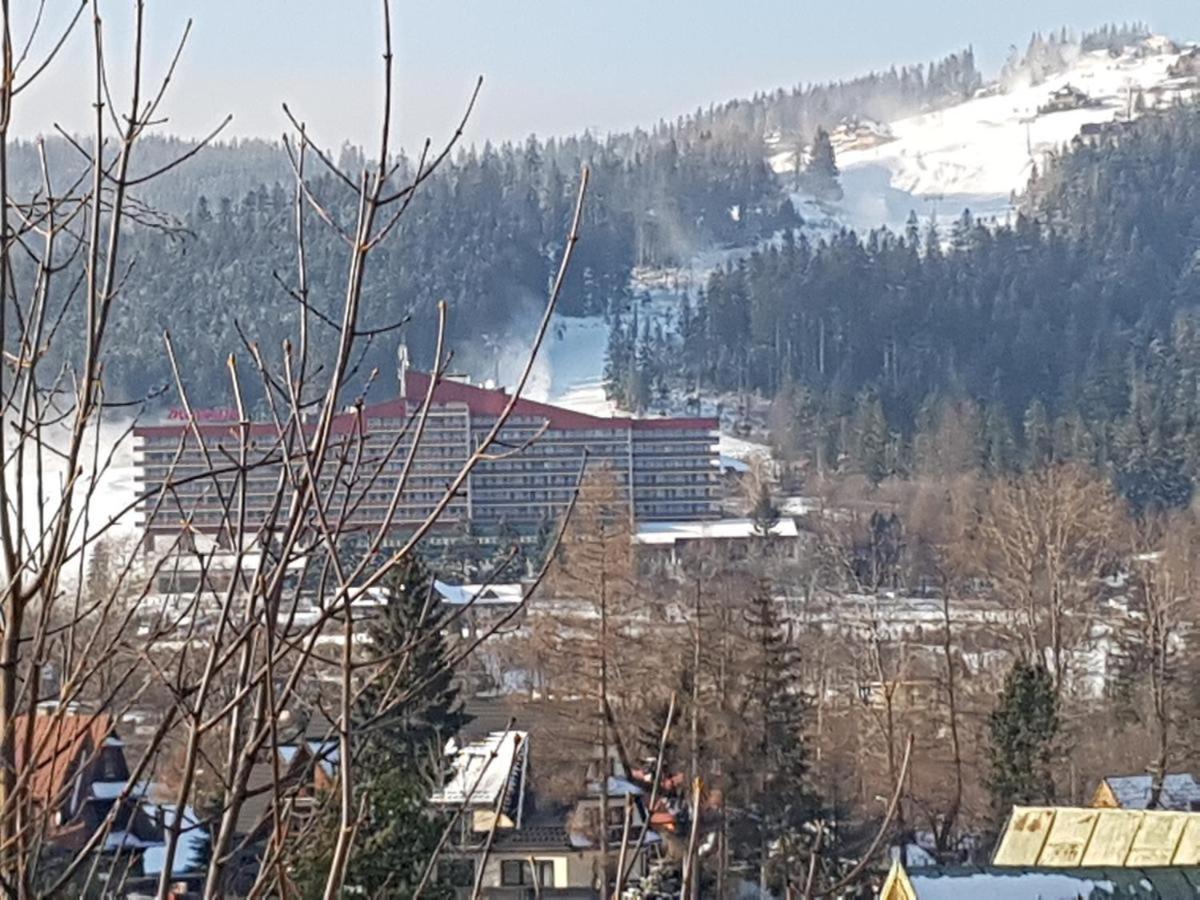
<point>492,401</point>
<point>480,401</point>
<point>60,742</point>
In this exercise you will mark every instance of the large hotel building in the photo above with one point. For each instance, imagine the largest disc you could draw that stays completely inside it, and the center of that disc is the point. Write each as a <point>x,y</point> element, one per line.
<point>666,468</point>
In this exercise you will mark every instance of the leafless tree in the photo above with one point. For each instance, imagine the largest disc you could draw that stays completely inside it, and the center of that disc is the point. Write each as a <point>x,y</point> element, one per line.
<point>1043,540</point>
<point>1155,634</point>
<point>226,667</point>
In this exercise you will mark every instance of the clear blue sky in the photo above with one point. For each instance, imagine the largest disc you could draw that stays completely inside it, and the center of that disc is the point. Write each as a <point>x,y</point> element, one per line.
<point>550,66</point>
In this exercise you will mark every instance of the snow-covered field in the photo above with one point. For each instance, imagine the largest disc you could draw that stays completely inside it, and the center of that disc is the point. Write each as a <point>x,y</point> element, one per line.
<point>976,154</point>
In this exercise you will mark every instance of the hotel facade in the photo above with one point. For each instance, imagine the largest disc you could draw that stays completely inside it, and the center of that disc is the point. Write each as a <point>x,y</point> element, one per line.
<point>666,469</point>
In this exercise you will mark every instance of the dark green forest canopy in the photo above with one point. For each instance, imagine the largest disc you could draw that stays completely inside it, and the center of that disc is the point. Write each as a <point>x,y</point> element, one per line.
<point>484,234</point>
<point>1082,313</point>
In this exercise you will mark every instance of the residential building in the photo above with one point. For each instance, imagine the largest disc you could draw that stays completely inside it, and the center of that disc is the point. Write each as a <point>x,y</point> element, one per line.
<point>666,469</point>
<point>77,774</point>
<point>1071,837</point>
<point>1180,792</point>
<point>1033,883</point>
<point>1067,853</point>
<point>530,847</point>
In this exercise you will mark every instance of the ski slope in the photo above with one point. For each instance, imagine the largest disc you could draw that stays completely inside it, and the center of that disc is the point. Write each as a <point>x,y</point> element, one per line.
<point>977,154</point>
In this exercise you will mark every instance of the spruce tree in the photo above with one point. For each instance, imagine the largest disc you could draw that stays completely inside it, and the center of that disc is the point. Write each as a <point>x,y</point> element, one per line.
<point>1039,444</point>
<point>821,173</point>
<point>870,437</point>
<point>1022,730</point>
<point>764,513</point>
<point>772,797</point>
<point>404,719</point>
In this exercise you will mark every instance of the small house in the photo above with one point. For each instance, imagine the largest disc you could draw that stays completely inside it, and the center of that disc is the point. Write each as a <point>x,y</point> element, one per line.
<point>77,774</point>
<point>517,845</point>
<point>1066,98</point>
<point>1180,791</point>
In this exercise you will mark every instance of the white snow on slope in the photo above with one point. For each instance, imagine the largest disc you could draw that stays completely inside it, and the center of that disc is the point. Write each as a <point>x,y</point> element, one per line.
<point>976,154</point>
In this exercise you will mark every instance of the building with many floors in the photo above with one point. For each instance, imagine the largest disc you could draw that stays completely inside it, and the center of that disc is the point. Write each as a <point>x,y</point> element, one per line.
<point>666,468</point>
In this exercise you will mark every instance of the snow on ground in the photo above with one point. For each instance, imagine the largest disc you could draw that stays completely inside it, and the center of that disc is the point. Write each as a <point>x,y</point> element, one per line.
<point>574,355</point>
<point>976,154</point>
<point>742,449</point>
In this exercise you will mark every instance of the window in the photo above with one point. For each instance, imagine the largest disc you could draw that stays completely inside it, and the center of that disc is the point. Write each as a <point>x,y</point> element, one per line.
<point>457,872</point>
<point>512,872</point>
<point>516,872</point>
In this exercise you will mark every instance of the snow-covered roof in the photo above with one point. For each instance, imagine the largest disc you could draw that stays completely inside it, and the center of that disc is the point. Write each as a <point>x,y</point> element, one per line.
<point>326,753</point>
<point>482,768</point>
<point>732,464</point>
<point>480,594</point>
<point>116,841</point>
<point>1017,883</point>
<point>1180,791</point>
<point>111,790</point>
<point>661,533</point>
<point>189,853</point>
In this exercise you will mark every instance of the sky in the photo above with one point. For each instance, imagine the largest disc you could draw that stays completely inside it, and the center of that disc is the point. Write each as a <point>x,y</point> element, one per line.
<point>549,66</point>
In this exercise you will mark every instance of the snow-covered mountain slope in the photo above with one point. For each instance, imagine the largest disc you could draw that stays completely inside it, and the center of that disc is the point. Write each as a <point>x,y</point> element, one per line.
<point>976,154</point>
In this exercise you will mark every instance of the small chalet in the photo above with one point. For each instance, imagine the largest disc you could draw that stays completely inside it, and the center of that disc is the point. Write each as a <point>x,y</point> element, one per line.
<point>1066,98</point>
<point>78,775</point>
<point>1187,66</point>
<point>1180,792</point>
<point>1066,853</point>
<point>476,608</point>
<point>530,848</point>
<point>308,767</point>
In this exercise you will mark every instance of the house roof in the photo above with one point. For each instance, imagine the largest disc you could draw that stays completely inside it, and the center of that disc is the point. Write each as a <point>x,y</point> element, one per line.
<point>1068,837</point>
<point>1019,883</point>
<point>720,529</point>
<point>484,401</point>
<point>1180,791</point>
<point>480,594</point>
<point>58,740</point>
<point>548,831</point>
<point>482,770</point>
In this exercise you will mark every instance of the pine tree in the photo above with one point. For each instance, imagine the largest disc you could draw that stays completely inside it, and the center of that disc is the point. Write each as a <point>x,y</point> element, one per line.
<point>1000,453</point>
<point>1039,444</point>
<point>821,173</point>
<point>404,718</point>
<point>772,797</point>
<point>1022,730</point>
<point>870,435</point>
<point>764,513</point>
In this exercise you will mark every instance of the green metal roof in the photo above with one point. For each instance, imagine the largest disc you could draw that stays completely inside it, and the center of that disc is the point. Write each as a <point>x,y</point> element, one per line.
<point>1052,883</point>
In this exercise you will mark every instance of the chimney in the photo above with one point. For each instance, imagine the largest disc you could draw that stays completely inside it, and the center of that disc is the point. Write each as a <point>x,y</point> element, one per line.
<point>402,369</point>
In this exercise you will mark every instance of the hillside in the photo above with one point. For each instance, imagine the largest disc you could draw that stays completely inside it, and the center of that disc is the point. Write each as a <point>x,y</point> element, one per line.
<point>978,153</point>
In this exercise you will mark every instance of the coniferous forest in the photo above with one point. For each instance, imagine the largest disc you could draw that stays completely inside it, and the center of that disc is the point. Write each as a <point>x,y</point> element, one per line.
<point>483,233</point>
<point>1070,333</point>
